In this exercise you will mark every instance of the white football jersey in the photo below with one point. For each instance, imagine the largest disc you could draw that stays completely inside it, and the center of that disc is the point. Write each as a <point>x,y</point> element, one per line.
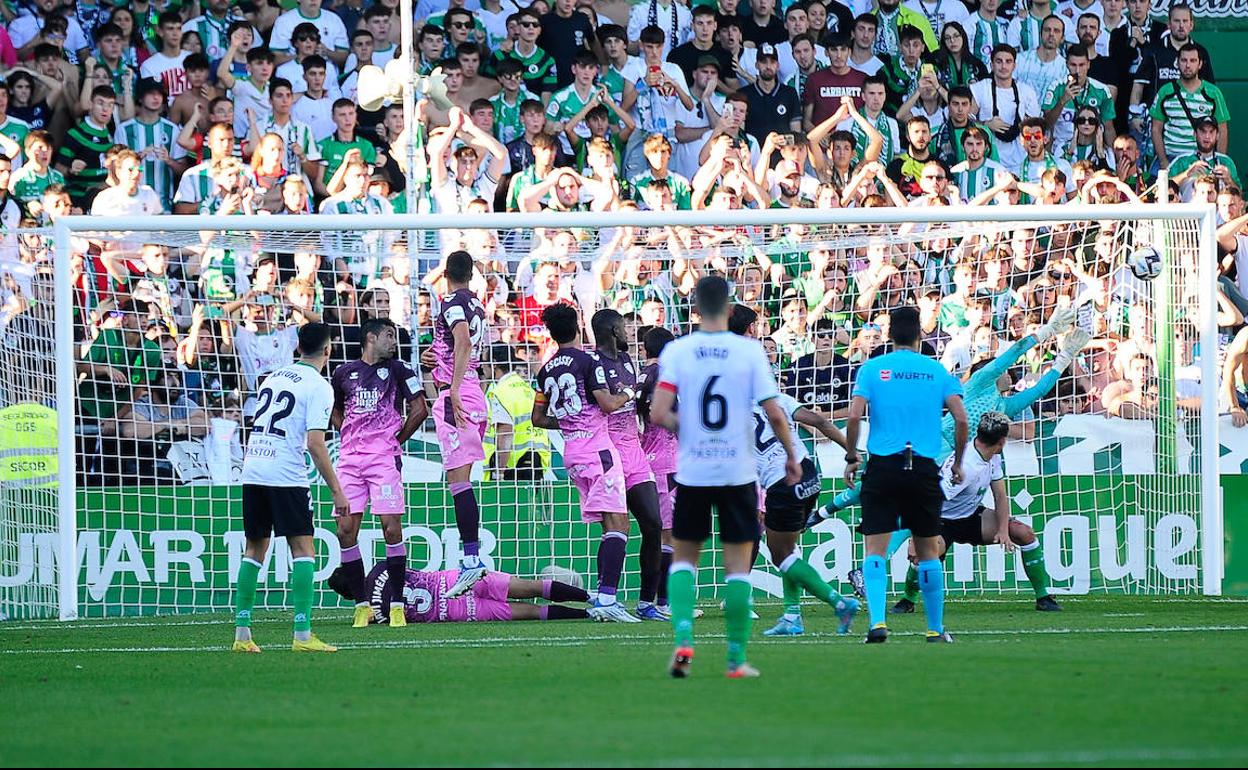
<point>961,500</point>
<point>769,454</point>
<point>718,378</point>
<point>292,401</point>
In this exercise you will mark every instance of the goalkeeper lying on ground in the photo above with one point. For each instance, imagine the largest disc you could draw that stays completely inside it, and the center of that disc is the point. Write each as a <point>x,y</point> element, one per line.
<point>425,600</point>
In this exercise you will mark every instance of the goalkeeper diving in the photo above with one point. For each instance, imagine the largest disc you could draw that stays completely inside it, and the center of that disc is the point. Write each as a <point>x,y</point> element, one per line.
<point>987,391</point>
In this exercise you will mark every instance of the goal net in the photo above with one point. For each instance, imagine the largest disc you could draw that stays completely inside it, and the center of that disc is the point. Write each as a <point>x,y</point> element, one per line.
<point>175,321</point>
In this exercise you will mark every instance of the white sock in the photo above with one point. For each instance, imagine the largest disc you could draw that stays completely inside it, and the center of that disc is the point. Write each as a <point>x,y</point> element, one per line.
<point>242,633</point>
<point>303,636</point>
<point>470,562</point>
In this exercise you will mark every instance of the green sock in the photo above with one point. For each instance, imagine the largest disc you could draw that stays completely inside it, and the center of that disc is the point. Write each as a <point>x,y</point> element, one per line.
<point>792,596</point>
<point>245,595</point>
<point>301,593</point>
<point>682,592</point>
<point>737,599</point>
<point>1033,565</point>
<point>912,584</point>
<point>800,572</point>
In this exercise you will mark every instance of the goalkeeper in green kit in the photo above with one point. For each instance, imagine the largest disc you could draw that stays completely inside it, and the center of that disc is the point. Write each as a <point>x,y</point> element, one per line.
<point>983,394</point>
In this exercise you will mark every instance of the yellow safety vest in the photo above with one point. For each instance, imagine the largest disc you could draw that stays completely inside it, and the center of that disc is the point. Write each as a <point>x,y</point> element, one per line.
<point>516,397</point>
<point>28,446</point>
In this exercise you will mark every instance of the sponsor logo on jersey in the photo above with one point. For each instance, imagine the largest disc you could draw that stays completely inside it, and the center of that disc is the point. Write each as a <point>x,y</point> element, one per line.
<point>886,375</point>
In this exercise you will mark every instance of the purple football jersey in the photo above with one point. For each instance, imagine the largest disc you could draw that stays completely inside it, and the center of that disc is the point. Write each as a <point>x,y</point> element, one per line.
<point>658,442</point>
<point>372,399</point>
<point>621,373</point>
<point>460,306</point>
<point>567,382</point>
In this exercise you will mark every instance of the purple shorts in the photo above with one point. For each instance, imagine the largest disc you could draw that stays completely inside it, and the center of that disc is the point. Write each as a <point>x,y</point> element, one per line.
<point>461,445</point>
<point>666,484</point>
<point>600,482</point>
<point>371,479</point>
<point>632,459</point>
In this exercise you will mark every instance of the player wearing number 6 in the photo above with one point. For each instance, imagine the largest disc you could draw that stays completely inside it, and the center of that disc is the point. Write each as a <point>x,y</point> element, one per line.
<point>574,397</point>
<point>719,377</point>
<point>459,413</point>
<point>294,405</point>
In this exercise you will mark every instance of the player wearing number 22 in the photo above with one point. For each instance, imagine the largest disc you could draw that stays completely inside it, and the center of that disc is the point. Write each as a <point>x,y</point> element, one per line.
<point>459,413</point>
<point>574,397</point>
<point>293,414</point>
<point>719,377</point>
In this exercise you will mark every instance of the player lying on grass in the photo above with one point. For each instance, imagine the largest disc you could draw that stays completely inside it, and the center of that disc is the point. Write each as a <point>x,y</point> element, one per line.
<point>964,519</point>
<point>786,506</point>
<point>986,390</point>
<point>425,597</point>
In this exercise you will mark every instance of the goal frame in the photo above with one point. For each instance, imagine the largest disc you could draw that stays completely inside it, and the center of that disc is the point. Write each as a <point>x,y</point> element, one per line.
<point>65,228</point>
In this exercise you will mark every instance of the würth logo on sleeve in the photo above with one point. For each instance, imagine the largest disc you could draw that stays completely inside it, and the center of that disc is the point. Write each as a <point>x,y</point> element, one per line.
<point>886,375</point>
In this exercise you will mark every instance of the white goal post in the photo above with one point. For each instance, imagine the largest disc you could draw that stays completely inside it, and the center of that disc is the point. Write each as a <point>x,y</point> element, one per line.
<point>1202,221</point>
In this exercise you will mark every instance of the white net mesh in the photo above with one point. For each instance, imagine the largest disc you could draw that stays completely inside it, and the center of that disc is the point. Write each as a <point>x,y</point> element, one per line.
<point>177,328</point>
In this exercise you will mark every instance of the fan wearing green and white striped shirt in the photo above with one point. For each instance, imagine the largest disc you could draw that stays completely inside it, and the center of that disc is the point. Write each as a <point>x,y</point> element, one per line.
<point>155,140</point>
<point>302,152</point>
<point>977,173</point>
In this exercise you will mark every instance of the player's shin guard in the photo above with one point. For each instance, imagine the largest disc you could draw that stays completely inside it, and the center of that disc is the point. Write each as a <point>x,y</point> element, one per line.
<point>898,539</point>
<point>396,571</point>
<point>245,598</point>
<point>467,521</point>
<point>738,595</point>
<point>353,568</point>
<point>557,612</point>
<point>610,564</point>
<point>301,572</point>
<point>912,584</point>
<point>1033,565</point>
<point>932,586</point>
<point>799,571</point>
<point>875,576</point>
<point>665,566</point>
<point>643,502</point>
<point>683,592</point>
<point>553,590</point>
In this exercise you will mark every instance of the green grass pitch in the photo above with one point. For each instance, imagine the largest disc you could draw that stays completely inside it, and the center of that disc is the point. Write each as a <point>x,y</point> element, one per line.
<point>1111,681</point>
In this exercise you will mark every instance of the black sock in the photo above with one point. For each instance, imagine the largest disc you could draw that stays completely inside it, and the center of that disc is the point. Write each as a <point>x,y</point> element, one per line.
<point>559,612</point>
<point>562,592</point>
<point>354,571</point>
<point>396,570</point>
<point>643,502</point>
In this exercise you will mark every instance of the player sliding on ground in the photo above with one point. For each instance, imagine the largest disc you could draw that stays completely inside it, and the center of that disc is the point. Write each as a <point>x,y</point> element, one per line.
<point>573,397</point>
<point>641,494</point>
<point>986,391</point>
<point>425,601</point>
<point>459,413</point>
<point>293,413</point>
<point>963,519</point>
<point>786,505</point>
<point>719,378</point>
<point>370,395</point>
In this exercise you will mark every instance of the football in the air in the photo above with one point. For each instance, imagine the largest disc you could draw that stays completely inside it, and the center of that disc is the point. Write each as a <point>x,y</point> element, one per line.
<point>1145,263</point>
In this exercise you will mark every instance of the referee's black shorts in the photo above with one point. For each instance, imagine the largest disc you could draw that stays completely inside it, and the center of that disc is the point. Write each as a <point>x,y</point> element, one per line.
<point>279,511</point>
<point>890,492</point>
<point>737,508</point>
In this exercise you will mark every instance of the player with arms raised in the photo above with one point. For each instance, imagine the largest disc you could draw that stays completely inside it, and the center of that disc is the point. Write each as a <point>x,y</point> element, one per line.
<point>370,395</point>
<point>459,413</point>
<point>640,492</point>
<point>293,413</point>
<point>719,378</point>
<point>573,397</point>
<point>786,506</point>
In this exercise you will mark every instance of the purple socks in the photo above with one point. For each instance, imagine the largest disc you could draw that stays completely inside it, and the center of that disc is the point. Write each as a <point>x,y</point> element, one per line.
<point>610,563</point>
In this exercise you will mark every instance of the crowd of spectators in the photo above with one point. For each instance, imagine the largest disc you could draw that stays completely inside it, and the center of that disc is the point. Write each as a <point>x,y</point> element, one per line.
<point>217,107</point>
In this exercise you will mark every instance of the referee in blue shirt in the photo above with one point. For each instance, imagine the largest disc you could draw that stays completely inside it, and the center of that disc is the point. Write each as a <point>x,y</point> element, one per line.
<point>907,393</point>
